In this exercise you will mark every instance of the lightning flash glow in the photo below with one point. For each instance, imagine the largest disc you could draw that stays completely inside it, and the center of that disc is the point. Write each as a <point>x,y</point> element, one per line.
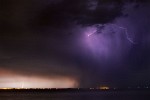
<point>13,80</point>
<point>107,41</point>
<point>114,26</point>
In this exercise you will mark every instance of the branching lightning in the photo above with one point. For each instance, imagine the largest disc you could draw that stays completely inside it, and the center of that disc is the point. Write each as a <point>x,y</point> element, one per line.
<point>120,27</point>
<point>126,32</point>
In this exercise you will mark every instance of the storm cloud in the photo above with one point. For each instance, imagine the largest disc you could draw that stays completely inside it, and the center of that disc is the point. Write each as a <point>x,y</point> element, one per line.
<point>95,42</point>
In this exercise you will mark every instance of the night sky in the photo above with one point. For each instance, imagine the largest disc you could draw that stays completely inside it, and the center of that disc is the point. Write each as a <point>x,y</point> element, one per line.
<point>74,43</point>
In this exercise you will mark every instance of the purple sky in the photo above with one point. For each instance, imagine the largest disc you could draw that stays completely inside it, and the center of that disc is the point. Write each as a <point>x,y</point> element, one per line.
<point>86,43</point>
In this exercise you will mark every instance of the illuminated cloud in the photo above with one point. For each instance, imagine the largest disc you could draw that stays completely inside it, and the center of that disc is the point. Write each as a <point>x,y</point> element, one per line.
<point>107,41</point>
<point>61,41</point>
<point>13,80</point>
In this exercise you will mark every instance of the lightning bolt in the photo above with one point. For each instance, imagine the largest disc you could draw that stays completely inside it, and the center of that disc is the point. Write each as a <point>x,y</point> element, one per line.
<point>126,32</point>
<point>120,27</point>
<point>97,26</point>
<point>90,34</point>
<point>22,85</point>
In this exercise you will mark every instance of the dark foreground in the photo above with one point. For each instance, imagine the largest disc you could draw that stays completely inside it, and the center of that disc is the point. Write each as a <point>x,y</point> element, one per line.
<point>74,94</point>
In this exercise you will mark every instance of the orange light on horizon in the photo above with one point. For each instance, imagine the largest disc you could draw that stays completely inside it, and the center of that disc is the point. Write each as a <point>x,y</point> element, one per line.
<point>35,82</point>
<point>22,82</point>
<point>6,88</point>
<point>14,80</point>
<point>104,88</point>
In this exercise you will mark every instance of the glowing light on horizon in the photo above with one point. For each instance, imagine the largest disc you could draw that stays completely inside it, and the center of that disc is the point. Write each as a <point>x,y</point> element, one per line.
<point>37,82</point>
<point>4,88</point>
<point>104,88</point>
<point>22,85</point>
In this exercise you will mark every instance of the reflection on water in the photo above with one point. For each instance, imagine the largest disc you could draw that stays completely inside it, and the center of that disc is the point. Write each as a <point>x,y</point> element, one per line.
<point>75,95</point>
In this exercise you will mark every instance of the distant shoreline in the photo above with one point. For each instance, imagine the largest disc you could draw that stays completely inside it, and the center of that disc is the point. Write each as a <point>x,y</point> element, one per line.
<point>72,89</point>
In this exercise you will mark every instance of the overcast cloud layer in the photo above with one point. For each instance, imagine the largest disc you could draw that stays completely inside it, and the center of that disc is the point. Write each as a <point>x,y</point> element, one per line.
<point>94,42</point>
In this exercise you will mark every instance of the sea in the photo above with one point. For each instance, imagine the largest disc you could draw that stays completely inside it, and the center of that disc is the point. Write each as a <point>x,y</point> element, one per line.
<point>73,94</point>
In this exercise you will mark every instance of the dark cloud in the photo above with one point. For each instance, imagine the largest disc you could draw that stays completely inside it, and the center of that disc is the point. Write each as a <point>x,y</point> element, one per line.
<point>67,11</point>
<point>50,38</point>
